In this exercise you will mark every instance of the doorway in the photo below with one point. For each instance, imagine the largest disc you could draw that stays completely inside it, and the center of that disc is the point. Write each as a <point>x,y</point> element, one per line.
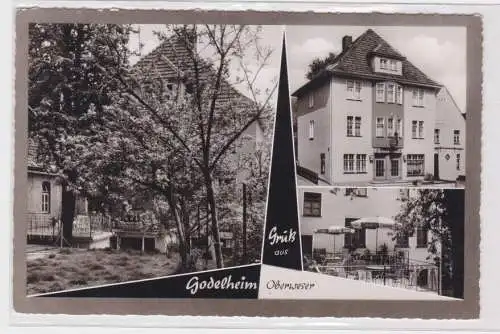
<point>436,166</point>
<point>387,167</point>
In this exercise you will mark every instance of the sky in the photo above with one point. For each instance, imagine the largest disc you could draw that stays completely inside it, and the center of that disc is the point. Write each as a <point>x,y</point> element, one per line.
<point>440,52</point>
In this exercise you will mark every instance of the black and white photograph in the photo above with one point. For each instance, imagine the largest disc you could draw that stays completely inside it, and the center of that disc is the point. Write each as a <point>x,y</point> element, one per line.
<point>377,106</point>
<point>404,239</point>
<point>148,150</point>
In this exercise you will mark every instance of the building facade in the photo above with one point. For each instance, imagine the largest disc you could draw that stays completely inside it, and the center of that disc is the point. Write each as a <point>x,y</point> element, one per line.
<point>449,138</point>
<point>370,117</point>
<point>322,208</point>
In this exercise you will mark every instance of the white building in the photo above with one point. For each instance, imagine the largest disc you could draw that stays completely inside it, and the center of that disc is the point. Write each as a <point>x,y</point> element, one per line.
<point>371,116</point>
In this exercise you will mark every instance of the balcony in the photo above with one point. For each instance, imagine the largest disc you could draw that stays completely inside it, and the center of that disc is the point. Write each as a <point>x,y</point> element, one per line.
<point>390,143</point>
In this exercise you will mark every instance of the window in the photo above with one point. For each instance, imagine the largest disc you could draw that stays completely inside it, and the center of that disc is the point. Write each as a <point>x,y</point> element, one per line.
<point>417,125</point>
<point>311,129</point>
<point>436,136</point>
<point>379,131</point>
<point>393,65</point>
<point>456,137</point>
<point>353,126</point>
<point>380,92</point>
<point>415,164</point>
<point>390,127</point>
<point>350,126</point>
<point>312,204</point>
<point>421,129</point>
<point>402,240</point>
<point>391,93</point>
<point>414,129</point>
<point>399,94</point>
<point>357,126</point>
<point>348,163</point>
<point>356,239</point>
<point>358,192</point>
<point>355,163</point>
<point>323,163</point>
<point>311,100</point>
<point>46,197</point>
<point>228,243</point>
<point>353,89</point>
<point>361,163</point>
<point>399,128</point>
<point>418,97</point>
<point>458,161</point>
<point>383,63</point>
<point>169,91</point>
<point>421,237</point>
<point>394,167</point>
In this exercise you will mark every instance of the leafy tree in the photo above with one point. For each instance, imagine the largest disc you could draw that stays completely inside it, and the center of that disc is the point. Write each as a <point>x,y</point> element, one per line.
<point>66,87</point>
<point>440,211</point>
<point>319,64</point>
<point>176,124</point>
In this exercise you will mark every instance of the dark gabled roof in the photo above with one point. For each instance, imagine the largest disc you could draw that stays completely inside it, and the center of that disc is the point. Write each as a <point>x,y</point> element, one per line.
<point>384,49</point>
<point>172,60</point>
<point>355,62</point>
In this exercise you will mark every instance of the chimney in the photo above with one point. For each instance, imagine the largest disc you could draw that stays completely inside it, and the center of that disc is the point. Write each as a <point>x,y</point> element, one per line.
<point>346,42</point>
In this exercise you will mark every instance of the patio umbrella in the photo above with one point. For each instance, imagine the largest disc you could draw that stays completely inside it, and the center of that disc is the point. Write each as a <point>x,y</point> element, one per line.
<point>374,223</point>
<point>335,230</point>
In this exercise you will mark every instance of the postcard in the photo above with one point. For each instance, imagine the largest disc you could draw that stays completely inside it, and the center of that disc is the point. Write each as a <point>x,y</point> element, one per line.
<point>245,164</point>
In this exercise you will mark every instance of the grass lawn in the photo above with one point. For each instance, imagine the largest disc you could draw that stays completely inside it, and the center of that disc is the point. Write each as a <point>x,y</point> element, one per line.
<point>77,268</point>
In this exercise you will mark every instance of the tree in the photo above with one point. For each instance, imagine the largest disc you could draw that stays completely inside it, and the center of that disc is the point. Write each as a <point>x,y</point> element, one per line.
<point>440,211</point>
<point>176,122</point>
<point>319,64</point>
<point>65,87</point>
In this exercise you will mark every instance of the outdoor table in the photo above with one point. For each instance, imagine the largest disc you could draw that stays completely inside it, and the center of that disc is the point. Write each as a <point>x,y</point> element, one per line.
<point>378,268</point>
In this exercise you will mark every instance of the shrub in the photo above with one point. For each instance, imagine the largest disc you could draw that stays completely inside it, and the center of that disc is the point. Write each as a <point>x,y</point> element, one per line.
<point>51,256</point>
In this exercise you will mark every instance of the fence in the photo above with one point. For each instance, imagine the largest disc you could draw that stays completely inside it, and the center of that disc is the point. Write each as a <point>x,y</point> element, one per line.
<point>42,225</point>
<point>92,224</point>
<point>391,269</point>
<point>415,277</point>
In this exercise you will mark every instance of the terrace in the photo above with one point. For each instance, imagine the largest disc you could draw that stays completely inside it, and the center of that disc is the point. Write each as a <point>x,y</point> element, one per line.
<point>394,269</point>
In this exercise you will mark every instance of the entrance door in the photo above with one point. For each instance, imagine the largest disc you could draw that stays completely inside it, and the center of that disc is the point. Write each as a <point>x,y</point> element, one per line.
<point>380,168</point>
<point>436,166</point>
<point>387,167</point>
<point>394,166</point>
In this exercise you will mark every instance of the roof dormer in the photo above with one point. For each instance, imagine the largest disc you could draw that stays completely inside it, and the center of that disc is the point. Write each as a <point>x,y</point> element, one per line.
<point>387,65</point>
<point>387,60</point>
